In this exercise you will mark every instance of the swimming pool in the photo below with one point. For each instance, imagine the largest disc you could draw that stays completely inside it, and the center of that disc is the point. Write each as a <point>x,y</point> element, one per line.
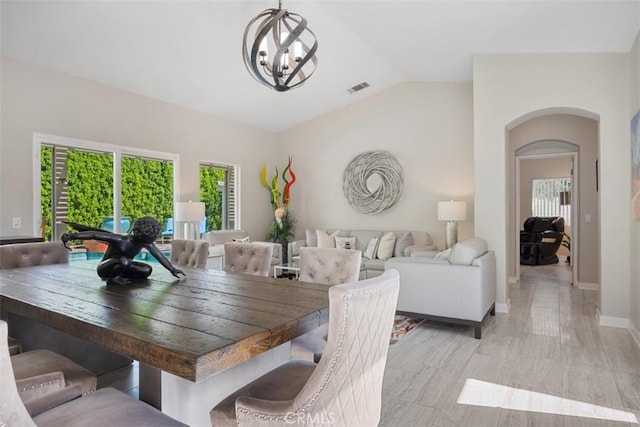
<point>86,256</point>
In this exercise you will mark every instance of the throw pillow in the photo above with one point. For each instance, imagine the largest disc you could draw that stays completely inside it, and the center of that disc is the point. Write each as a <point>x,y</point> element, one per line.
<point>370,251</point>
<point>326,240</point>
<point>463,253</point>
<point>386,245</point>
<point>443,255</point>
<point>245,240</point>
<point>310,238</point>
<point>345,242</point>
<point>402,243</point>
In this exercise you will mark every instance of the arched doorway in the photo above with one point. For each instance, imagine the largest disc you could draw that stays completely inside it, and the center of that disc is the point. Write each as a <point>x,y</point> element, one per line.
<point>554,133</point>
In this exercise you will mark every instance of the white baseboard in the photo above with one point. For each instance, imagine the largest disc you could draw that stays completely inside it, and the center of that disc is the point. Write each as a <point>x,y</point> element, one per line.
<point>503,308</point>
<point>614,322</point>
<point>635,333</point>
<point>513,279</point>
<point>587,286</point>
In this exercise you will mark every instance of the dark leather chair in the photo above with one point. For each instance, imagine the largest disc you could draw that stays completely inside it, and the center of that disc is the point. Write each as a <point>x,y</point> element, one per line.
<point>540,240</point>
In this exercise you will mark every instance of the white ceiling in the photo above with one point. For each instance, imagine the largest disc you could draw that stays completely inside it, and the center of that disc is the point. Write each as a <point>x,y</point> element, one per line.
<point>189,52</point>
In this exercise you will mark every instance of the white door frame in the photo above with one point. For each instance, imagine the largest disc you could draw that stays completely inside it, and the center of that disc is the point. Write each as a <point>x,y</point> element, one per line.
<point>575,207</point>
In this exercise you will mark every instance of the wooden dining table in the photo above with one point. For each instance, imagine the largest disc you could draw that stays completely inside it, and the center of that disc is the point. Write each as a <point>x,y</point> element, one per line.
<point>198,333</point>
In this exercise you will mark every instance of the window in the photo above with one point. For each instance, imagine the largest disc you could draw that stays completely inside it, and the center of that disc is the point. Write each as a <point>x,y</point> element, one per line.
<point>218,192</point>
<point>552,197</point>
<point>100,185</point>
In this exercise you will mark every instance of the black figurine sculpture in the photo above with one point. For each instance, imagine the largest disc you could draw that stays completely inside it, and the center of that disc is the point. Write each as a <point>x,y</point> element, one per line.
<point>117,266</point>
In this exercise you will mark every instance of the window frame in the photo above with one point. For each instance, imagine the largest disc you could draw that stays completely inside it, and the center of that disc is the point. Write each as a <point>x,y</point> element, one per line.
<point>118,151</point>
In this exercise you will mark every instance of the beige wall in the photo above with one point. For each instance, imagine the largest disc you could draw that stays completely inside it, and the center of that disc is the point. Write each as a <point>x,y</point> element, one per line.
<point>634,254</point>
<point>427,126</point>
<point>508,88</point>
<point>581,134</point>
<point>36,99</point>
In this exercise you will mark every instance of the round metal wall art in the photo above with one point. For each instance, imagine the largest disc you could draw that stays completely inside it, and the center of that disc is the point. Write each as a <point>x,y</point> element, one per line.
<point>372,182</point>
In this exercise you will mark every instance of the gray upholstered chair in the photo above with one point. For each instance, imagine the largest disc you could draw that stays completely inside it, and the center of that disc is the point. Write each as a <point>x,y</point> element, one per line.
<point>42,363</point>
<point>327,266</point>
<point>248,258</point>
<point>30,254</point>
<point>106,407</point>
<point>33,370</point>
<point>189,253</point>
<point>27,255</point>
<point>345,388</point>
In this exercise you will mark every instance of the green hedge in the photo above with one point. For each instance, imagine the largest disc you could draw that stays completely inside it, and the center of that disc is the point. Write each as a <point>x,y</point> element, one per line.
<point>147,189</point>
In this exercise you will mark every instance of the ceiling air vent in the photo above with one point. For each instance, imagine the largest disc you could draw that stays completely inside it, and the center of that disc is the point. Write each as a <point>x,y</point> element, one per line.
<point>358,87</point>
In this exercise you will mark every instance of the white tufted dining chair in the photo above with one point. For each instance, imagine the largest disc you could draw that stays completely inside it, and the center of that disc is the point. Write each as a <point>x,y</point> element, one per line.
<point>248,258</point>
<point>105,407</point>
<point>345,388</point>
<point>327,266</point>
<point>189,253</point>
<point>29,254</point>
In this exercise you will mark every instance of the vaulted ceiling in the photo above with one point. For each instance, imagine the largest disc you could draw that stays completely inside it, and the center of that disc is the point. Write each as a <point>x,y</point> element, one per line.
<point>189,52</point>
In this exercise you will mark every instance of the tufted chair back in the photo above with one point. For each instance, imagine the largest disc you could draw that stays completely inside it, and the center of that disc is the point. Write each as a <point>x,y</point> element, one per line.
<point>329,266</point>
<point>248,258</point>
<point>30,254</point>
<point>189,253</point>
<point>345,388</point>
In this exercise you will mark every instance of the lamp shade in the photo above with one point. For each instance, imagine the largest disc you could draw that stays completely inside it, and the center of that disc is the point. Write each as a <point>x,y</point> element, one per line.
<point>189,211</point>
<point>452,211</point>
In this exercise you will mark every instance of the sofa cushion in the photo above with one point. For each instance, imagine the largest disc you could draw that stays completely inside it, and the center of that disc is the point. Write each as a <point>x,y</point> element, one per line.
<point>421,238</point>
<point>386,245</point>
<point>363,237</point>
<point>463,253</point>
<point>372,264</point>
<point>418,247</point>
<point>403,240</point>
<point>326,240</point>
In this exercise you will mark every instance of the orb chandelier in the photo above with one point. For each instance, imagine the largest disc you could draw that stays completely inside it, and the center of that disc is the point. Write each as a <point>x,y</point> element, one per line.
<point>279,50</point>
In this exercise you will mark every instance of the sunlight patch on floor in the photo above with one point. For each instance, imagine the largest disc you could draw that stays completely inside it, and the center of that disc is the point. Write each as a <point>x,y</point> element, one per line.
<point>482,393</point>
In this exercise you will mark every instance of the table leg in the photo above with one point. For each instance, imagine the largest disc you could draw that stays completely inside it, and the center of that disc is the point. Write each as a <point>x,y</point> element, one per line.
<point>191,402</point>
<point>150,385</point>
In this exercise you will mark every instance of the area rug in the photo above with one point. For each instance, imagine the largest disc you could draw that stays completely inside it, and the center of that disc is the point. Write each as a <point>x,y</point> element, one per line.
<point>402,325</point>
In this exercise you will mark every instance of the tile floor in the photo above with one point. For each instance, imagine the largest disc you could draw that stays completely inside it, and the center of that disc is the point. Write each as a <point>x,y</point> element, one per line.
<point>550,343</point>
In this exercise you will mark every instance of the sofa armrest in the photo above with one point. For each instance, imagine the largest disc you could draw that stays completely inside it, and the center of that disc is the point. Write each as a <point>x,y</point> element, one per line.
<point>294,248</point>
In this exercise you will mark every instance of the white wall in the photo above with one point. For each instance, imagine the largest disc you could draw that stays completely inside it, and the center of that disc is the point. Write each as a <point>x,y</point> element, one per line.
<point>634,254</point>
<point>427,126</point>
<point>582,135</point>
<point>36,99</point>
<point>507,88</point>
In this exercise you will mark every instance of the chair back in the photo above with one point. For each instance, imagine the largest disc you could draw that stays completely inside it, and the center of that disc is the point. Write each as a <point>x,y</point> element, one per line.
<point>329,266</point>
<point>249,258</point>
<point>12,410</point>
<point>189,253</point>
<point>346,386</point>
<point>30,254</point>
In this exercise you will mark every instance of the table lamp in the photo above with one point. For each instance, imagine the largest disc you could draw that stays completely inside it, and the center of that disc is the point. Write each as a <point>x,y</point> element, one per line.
<point>190,214</point>
<point>451,212</point>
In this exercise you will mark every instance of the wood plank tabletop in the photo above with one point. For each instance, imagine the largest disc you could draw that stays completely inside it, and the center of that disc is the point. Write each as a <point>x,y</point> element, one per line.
<point>193,328</point>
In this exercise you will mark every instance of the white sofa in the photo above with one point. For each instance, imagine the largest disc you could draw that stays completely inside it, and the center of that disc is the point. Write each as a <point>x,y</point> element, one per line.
<point>406,243</point>
<point>218,238</point>
<point>460,288</point>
